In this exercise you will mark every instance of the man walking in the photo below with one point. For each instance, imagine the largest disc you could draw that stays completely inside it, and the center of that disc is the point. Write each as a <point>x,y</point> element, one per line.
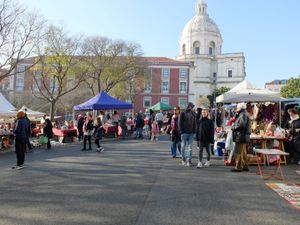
<point>187,127</point>
<point>241,136</point>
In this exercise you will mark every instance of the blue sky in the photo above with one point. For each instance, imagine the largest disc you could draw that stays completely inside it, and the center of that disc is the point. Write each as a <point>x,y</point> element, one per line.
<point>267,31</point>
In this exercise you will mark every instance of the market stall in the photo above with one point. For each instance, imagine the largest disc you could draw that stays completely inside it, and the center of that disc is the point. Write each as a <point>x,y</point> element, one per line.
<point>263,111</point>
<point>103,101</point>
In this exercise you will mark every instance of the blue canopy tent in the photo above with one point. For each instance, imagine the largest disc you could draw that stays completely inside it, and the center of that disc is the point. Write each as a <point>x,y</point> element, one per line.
<point>102,101</point>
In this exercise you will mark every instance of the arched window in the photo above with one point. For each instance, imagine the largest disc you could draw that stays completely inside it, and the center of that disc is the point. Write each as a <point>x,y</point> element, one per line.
<point>196,47</point>
<point>212,48</point>
<point>183,49</point>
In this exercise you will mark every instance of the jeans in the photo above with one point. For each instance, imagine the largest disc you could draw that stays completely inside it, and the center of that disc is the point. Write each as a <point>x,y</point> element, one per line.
<point>187,139</point>
<point>139,132</point>
<point>174,147</point>
<point>123,132</point>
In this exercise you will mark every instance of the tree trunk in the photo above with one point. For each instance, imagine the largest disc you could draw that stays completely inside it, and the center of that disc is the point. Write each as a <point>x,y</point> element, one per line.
<point>52,110</point>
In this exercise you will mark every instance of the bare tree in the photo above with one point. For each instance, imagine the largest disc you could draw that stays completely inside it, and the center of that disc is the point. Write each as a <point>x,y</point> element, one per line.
<point>19,34</point>
<point>109,62</point>
<point>59,70</point>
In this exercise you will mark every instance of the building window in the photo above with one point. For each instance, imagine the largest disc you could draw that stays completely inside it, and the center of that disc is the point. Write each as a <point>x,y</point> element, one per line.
<point>283,82</point>
<point>53,84</point>
<point>183,50</point>
<point>20,77</point>
<point>165,100</point>
<point>21,69</point>
<point>182,87</point>
<point>20,82</point>
<point>196,47</point>
<point>212,47</point>
<point>183,74</point>
<point>165,87</point>
<point>182,102</point>
<point>147,80</point>
<point>148,86</point>
<point>147,101</point>
<point>37,81</point>
<point>276,82</point>
<point>214,75</point>
<point>165,74</point>
<point>229,73</point>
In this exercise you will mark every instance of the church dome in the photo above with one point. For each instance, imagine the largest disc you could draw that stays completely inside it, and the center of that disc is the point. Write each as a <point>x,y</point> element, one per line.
<point>201,31</point>
<point>201,24</point>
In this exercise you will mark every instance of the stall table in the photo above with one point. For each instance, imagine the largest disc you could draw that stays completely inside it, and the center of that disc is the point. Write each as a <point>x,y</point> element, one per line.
<point>269,153</point>
<point>65,135</point>
<point>263,143</point>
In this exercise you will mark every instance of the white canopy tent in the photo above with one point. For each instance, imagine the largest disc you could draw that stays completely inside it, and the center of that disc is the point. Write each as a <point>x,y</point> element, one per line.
<point>246,92</point>
<point>31,113</point>
<point>6,108</point>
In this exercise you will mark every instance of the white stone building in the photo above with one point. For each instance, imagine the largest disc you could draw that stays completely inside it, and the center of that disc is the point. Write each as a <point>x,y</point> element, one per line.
<point>201,44</point>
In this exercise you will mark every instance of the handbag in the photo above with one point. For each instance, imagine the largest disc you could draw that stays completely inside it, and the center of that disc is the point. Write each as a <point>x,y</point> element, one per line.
<point>43,140</point>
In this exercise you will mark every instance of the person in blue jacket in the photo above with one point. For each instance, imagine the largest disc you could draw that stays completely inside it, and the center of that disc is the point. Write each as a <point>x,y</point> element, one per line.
<point>21,135</point>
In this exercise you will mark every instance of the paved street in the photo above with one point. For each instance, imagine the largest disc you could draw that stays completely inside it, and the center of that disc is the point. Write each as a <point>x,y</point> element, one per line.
<point>134,183</point>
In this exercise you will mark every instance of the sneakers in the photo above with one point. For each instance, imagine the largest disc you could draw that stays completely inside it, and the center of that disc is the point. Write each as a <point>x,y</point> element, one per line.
<point>189,164</point>
<point>17,167</point>
<point>207,163</point>
<point>101,149</point>
<point>183,162</point>
<point>199,165</point>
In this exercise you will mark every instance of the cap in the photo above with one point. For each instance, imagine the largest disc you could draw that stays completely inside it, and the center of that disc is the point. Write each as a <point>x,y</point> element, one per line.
<point>241,106</point>
<point>191,105</point>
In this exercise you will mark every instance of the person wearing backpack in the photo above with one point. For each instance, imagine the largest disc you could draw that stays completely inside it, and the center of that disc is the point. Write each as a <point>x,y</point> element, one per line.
<point>241,136</point>
<point>88,128</point>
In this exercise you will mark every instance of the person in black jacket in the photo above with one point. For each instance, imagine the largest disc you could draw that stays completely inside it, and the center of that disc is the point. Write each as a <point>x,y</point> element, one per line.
<point>241,136</point>
<point>80,123</point>
<point>187,128</point>
<point>21,133</point>
<point>294,135</point>
<point>48,132</point>
<point>150,121</point>
<point>139,124</point>
<point>205,136</point>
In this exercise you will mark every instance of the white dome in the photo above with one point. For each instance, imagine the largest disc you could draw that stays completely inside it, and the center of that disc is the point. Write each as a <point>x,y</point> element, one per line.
<point>202,30</point>
<point>200,24</point>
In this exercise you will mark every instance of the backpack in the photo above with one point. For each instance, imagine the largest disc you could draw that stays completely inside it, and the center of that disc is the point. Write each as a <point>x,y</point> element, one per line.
<point>90,125</point>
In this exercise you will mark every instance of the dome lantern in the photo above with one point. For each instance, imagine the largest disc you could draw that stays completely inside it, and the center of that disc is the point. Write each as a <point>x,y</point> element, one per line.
<point>201,8</point>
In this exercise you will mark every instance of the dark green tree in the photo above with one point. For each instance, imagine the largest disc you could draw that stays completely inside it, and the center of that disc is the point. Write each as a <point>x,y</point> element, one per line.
<point>291,89</point>
<point>216,93</point>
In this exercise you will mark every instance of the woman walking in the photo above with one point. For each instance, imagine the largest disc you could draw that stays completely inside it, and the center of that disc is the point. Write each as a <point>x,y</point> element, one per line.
<point>88,128</point>
<point>205,136</point>
<point>21,132</point>
<point>98,134</point>
<point>175,133</point>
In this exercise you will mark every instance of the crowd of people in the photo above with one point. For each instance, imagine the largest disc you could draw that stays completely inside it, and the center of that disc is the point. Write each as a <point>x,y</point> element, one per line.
<point>183,126</point>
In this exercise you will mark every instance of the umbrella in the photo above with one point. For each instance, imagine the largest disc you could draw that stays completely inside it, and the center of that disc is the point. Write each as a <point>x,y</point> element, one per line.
<point>161,106</point>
